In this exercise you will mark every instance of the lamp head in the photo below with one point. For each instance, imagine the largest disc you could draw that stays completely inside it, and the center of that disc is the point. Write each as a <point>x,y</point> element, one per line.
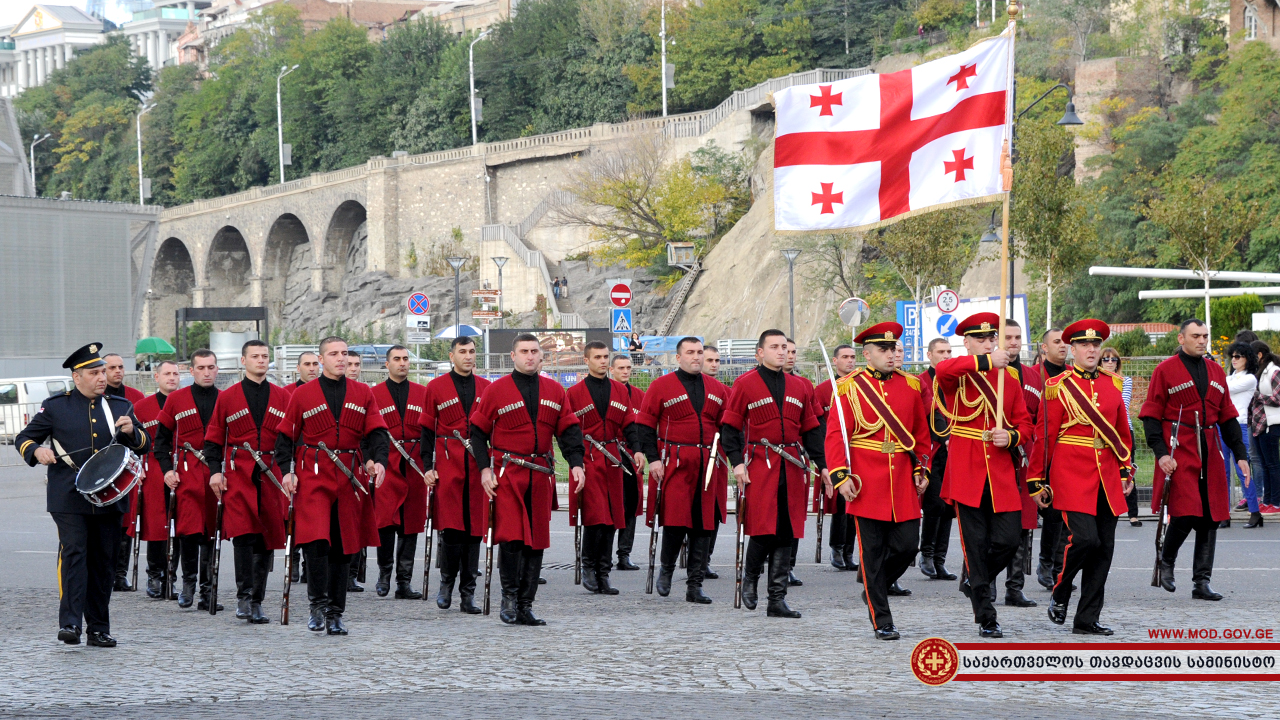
<point>1069,117</point>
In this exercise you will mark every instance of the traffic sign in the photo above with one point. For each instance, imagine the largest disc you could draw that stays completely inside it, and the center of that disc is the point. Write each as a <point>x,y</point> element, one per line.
<point>419,304</point>
<point>417,338</point>
<point>947,301</point>
<point>485,315</point>
<point>620,295</point>
<point>486,292</point>
<point>947,325</point>
<point>620,321</point>
<point>417,322</point>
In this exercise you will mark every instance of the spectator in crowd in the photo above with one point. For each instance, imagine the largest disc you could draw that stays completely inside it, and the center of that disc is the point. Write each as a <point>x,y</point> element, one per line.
<point>636,349</point>
<point>1242,383</point>
<point>1265,425</point>
<point>1111,361</point>
<point>564,288</point>
<point>555,288</point>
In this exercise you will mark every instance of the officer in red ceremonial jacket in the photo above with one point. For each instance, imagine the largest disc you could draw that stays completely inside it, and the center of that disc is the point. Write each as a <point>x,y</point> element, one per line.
<point>1188,392</point>
<point>400,505</point>
<point>1088,452</point>
<point>935,524</point>
<point>771,433</point>
<point>511,427</point>
<point>116,387</point>
<point>678,424</point>
<point>880,466</point>
<point>180,454</point>
<point>633,483</point>
<point>254,508</point>
<point>459,506</point>
<point>154,494</point>
<point>842,536</point>
<point>603,408</point>
<point>980,480</point>
<point>333,514</point>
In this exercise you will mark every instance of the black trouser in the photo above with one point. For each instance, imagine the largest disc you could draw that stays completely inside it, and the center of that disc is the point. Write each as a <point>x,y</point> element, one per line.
<point>841,534</point>
<point>630,502</point>
<point>1090,543</point>
<point>197,557</point>
<point>327,570</point>
<point>627,538</point>
<point>935,530</point>
<point>1050,548</point>
<point>87,547</point>
<point>518,571</point>
<point>673,537</point>
<point>1132,500</point>
<point>1206,529</point>
<point>156,551</point>
<point>988,539</point>
<point>252,561</point>
<point>1016,571</point>
<point>886,549</point>
<point>776,549</point>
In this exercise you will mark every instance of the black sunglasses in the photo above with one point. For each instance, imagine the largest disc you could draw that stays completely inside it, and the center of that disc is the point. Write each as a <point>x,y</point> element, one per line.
<point>1110,359</point>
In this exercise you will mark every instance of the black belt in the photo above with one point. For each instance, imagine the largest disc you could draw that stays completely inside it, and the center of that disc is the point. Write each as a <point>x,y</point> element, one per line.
<point>680,444</point>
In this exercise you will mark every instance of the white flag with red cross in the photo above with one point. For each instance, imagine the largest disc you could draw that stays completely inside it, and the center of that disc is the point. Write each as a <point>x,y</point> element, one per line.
<point>862,152</point>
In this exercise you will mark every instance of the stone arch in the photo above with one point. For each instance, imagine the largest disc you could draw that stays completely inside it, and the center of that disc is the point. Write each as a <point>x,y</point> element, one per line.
<point>228,270</point>
<point>173,280</point>
<point>286,266</point>
<point>344,243</point>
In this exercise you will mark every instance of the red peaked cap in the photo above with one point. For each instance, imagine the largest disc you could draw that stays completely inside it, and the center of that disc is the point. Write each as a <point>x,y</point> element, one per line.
<point>1087,329</point>
<point>885,332</point>
<point>979,323</point>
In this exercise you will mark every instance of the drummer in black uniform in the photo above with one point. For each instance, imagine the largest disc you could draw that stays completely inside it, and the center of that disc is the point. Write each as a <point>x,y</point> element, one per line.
<point>79,424</point>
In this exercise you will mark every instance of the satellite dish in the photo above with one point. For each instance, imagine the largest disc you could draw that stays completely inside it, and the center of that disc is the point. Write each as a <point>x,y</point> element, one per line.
<point>853,310</point>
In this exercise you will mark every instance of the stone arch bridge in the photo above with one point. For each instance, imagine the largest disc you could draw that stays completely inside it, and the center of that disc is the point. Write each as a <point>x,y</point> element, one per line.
<point>394,219</point>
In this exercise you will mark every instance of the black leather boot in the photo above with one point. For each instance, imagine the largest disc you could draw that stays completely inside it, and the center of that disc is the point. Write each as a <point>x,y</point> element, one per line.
<point>385,554</point>
<point>837,557</point>
<point>359,560</point>
<point>1016,598</point>
<point>1202,566</point>
<point>404,569</point>
<point>588,559</point>
<point>792,580</point>
<point>707,572</point>
<point>467,579</point>
<point>190,559</point>
<point>530,570</point>
<point>752,566</point>
<point>849,562</point>
<point>940,567</point>
<point>295,565</point>
<point>927,568</point>
<point>1044,574</point>
<point>242,556</point>
<point>1166,575</point>
<point>261,564</point>
<point>206,580</point>
<point>450,561</point>
<point>697,561</point>
<point>603,564</point>
<point>779,576</point>
<point>317,584</point>
<point>339,578</point>
<point>509,563</point>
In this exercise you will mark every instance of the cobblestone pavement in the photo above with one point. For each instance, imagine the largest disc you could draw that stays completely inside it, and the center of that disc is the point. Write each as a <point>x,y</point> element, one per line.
<point>627,656</point>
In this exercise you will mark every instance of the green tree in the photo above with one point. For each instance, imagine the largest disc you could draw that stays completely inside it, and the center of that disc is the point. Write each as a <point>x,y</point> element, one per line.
<point>1233,314</point>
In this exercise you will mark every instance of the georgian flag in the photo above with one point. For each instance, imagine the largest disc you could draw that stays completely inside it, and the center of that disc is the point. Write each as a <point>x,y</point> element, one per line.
<point>860,152</point>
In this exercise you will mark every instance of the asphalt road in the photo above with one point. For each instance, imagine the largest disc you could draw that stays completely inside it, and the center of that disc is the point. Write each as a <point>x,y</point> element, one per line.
<point>633,655</point>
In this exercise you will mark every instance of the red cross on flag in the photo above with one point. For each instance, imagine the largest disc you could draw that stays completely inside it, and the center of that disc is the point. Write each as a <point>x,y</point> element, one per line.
<point>867,150</point>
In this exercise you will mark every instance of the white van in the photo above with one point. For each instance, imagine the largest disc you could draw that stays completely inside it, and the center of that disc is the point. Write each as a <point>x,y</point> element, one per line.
<point>20,398</point>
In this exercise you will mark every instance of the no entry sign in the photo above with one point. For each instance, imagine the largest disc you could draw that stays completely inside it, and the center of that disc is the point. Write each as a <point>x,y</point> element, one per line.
<point>620,295</point>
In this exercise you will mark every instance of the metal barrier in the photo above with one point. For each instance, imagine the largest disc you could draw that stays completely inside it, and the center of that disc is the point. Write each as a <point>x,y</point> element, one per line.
<point>13,418</point>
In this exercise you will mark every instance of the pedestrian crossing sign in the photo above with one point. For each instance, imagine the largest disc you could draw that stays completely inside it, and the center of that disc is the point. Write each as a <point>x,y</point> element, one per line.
<point>621,320</point>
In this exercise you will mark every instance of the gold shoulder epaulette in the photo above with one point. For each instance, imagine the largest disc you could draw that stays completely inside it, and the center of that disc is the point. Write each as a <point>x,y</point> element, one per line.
<point>844,385</point>
<point>1051,387</point>
<point>1115,377</point>
<point>912,380</point>
<point>1014,372</point>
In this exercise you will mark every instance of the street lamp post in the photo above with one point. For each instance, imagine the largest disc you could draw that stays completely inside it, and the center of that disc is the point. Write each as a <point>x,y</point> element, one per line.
<point>662,36</point>
<point>791,254</point>
<point>35,140</point>
<point>142,198</point>
<point>456,263</point>
<point>284,70</point>
<point>471,65</point>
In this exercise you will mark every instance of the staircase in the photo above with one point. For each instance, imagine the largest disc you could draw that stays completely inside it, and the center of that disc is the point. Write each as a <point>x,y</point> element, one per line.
<point>533,259</point>
<point>677,299</point>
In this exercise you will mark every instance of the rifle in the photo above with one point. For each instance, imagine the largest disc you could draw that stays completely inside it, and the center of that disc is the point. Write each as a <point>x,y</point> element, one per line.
<point>739,542</point>
<point>137,534</point>
<point>1164,500</point>
<point>653,535</point>
<point>217,560</point>
<point>488,559</point>
<point>577,544</point>
<point>822,509</point>
<point>166,586</point>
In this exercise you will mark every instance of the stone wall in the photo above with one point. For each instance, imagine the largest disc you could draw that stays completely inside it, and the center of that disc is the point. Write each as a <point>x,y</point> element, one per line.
<point>1107,91</point>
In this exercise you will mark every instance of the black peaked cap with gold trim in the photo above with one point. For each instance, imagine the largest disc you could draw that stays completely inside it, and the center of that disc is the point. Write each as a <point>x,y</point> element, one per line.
<point>85,357</point>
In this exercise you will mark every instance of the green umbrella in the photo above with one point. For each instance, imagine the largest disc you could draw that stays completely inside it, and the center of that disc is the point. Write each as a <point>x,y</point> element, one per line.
<point>154,346</point>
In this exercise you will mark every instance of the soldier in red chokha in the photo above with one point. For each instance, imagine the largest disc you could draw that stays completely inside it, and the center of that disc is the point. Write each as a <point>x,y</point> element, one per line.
<point>879,464</point>
<point>677,427</point>
<point>254,506</point>
<point>771,434</point>
<point>980,481</point>
<point>459,507</point>
<point>400,506</point>
<point>1189,392</point>
<point>512,427</point>
<point>179,449</point>
<point>318,446</point>
<point>603,408</point>
<point>1088,452</point>
<point>155,495</point>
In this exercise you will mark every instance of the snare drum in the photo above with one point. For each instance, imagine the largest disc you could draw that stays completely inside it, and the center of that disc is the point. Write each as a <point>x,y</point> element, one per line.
<point>110,475</point>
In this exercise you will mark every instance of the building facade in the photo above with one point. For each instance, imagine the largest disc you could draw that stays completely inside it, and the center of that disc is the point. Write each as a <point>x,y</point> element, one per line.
<point>1256,20</point>
<point>44,40</point>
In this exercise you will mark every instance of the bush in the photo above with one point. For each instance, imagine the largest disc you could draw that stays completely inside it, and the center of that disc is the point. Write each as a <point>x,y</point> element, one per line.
<point>1133,343</point>
<point>1168,344</point>
<point>1233,314</point>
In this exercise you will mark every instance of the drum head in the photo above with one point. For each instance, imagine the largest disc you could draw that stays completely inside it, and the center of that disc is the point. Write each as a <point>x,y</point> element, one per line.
<point>105,466</point>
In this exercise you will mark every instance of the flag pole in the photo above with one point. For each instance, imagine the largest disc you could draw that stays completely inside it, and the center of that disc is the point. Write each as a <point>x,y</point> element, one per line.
<point>1006,174</point>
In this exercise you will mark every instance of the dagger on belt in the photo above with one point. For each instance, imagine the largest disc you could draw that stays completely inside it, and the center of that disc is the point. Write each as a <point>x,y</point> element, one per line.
<point>345,470</point>
<point>611,457</point>
<point>266,469</point>
<point>405,454</point>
